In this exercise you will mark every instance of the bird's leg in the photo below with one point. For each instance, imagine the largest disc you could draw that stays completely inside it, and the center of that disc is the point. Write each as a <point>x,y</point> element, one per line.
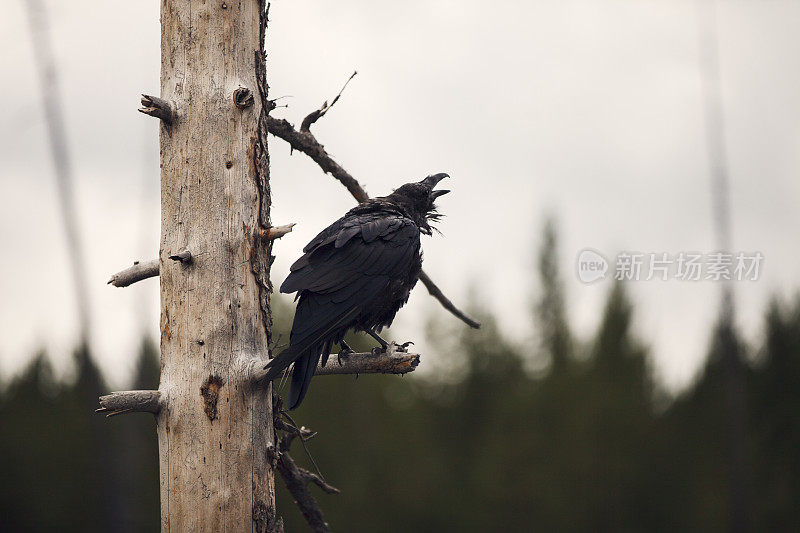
<point>344,351</point>
<point>384,345</point>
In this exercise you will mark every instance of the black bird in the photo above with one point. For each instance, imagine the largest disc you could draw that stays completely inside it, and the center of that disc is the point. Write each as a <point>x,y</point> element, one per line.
<point>355,275</point>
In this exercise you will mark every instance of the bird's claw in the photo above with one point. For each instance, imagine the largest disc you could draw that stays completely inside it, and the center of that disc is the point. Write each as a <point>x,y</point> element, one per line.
<point>391,348</point>
<point>404,347</point>
<point>344,353</point>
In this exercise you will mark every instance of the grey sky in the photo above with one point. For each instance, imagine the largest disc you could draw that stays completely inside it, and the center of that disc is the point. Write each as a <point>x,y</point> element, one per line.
<point>588,110</point>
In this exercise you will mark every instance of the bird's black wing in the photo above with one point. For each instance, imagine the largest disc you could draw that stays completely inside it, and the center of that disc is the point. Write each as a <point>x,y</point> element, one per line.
<point>342,271</point>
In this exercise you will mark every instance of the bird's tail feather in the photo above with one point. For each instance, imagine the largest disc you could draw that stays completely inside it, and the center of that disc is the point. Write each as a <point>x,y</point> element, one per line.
<point>279,363</point>
<point>301,378</point>
<point>303,371</point>
<point>305,355</point>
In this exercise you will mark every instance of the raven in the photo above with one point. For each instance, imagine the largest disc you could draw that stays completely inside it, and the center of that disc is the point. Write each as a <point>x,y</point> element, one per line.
<point>355,275</point>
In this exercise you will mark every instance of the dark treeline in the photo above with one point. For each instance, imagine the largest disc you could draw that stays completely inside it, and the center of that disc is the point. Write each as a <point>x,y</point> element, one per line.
<point>574,435</point>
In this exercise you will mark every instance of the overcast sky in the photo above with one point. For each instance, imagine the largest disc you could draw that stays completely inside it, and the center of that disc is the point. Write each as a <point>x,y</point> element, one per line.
<point>591,111</point>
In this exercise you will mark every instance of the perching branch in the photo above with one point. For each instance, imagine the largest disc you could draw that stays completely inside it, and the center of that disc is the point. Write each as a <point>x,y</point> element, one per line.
<point>366,363</point>
<point>388,362</point>
<point>297,478</point>
<point>304,141</point>
<point>159,108</point>
<point>137,272</point>
<point>132,401</point>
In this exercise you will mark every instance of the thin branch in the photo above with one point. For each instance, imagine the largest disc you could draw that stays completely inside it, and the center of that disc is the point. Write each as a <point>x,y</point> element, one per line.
<point>314,116</point>
<point>302,432</point>
<point>292,431</point>
<point>137,272</point>
<point>311,477</point>
<point>296,478</point>
<point>132,401</point>
<point>304,141</point>
<point>389,362</point>
<point>159,108</point>
<point>437,293</point>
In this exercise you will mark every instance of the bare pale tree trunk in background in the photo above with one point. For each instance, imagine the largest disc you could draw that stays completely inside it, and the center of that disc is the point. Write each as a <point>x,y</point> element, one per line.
<point>62,164</point>
<point>214,426</point>
<point>739,504</point>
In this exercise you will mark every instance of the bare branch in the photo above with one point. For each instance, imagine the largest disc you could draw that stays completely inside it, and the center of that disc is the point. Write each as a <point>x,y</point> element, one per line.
<point>389,362</point>
<point>291,433</point>
<point>437,293</point>
<point>304,141</point>
<point>132,401</point>
<point>296,478</point>
<point>318,481</point>
<point>366,363</point>
<point>159,108</point>
<point>319,113</point>
<point>137,272</point>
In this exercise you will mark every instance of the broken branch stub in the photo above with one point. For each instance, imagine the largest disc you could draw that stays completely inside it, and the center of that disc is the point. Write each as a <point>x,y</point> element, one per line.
<point>274,232</point>
<point>159,108</point>
<point>243,97</point>
<point>184,257</point>
<point>138,272</point>
<point>132,401</point>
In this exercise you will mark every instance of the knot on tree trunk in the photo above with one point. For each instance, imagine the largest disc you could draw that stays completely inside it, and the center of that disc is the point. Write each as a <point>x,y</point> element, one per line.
<point>210,393</point>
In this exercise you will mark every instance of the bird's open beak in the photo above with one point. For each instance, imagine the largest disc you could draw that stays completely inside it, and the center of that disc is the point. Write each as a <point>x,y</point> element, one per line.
<point>431,181</point>
<point>437,194</point>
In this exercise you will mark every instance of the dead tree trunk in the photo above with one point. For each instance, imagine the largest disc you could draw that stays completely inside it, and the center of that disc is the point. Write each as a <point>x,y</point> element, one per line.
<point>214,410</point>
<point>214,425</point>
